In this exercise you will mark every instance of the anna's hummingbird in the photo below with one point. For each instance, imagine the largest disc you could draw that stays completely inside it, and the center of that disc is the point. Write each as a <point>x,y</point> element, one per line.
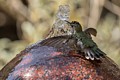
<point>84,40</point>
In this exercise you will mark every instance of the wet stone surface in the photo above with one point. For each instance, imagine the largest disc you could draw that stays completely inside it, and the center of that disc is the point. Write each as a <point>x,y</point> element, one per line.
<point>53,68</point>
<point>46,61</point>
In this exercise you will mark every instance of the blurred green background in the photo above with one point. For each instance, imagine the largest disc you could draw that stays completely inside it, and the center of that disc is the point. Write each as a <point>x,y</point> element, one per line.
<point>23,22</point>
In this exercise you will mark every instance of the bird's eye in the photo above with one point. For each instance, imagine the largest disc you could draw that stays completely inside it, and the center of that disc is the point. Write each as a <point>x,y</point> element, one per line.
<point>81,39</point>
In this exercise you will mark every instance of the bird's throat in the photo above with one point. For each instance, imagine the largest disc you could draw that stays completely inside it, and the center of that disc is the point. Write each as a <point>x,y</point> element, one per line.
<point>78,30</point>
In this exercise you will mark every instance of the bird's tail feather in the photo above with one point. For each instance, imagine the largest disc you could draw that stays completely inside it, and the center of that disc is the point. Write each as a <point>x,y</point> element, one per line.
<point>93,54</point>
<point>89,54</point>
<point>96,55</point>
<point>86,54</point>
<point>100,52</point>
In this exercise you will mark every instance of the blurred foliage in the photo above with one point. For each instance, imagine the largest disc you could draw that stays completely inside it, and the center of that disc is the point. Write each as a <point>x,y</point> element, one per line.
<point>34,19</point>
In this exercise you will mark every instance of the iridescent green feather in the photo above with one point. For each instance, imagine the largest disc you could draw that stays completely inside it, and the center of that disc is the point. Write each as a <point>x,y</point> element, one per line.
<point>87,42</point>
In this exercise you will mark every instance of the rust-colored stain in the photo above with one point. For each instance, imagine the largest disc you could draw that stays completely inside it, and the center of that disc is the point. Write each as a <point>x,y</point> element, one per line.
<point>60,67</point>
<point>49,63</point>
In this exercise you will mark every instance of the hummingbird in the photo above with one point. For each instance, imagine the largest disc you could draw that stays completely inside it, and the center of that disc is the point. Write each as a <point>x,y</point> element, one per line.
<point>85,42</point>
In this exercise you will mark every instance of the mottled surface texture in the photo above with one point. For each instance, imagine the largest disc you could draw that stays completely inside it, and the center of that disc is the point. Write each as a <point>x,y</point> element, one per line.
<point>41,62</point>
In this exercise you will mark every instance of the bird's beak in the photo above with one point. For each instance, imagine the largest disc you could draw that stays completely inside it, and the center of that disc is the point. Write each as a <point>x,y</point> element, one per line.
<point>68,22</point>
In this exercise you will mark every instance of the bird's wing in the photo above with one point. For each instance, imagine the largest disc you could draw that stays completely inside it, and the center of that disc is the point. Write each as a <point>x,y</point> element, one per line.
<point>60,42</point>
<point>91,31</point>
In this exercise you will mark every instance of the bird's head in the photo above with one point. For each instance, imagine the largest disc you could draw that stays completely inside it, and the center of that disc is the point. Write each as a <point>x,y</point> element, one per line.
<point>75,25</point>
